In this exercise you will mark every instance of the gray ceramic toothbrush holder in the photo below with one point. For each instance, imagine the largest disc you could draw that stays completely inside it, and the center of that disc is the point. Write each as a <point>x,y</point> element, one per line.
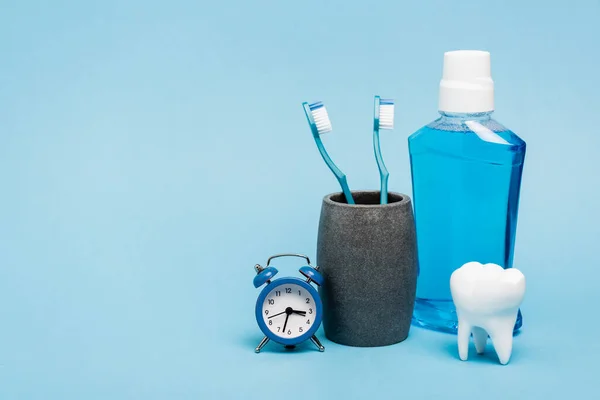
<point>367,253</point>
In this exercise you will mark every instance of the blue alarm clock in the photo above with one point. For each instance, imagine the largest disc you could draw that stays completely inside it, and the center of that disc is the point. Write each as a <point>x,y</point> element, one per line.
<point>288,310</point>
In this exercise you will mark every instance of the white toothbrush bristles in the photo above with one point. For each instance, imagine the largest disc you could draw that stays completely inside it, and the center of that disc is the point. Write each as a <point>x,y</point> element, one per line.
<point>319,114</point>
<point>386,114</point>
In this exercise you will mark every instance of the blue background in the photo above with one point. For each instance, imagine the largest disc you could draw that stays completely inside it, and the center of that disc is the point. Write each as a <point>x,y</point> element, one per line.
<point>152,152</point>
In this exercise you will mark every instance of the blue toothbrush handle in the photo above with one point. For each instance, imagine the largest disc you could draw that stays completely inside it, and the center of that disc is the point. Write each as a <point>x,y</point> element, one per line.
<point>341,177</point>
<point>383,172</point>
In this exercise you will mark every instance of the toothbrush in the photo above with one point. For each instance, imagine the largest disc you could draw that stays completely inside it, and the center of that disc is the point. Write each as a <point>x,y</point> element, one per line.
<point>383,119</point>
<point>319,122</point>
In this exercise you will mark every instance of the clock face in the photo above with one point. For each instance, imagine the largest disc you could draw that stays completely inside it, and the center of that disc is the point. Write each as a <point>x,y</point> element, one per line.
<point>289,310</point>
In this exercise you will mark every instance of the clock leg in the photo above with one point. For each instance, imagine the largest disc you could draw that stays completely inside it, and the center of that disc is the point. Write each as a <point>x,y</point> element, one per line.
<point>262,344</point>
<point>317,343</point>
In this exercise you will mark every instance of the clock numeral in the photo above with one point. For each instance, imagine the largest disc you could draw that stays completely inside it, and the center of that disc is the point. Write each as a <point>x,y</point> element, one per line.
<point>300,329</point>
<point>278,328</point>
<point>288,290</point>
<point>299,292</point>
<point>266,312</point>
<point>307,300</point>
<point>270,322</point>
<point>271,301</point>
<point>310,310</point>
<point>289,332</point>
<point>308,322</point>
<point>277,293</point>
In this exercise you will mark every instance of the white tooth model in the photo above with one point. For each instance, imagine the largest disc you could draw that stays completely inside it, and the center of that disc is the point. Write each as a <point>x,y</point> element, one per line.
<point>487,299</point>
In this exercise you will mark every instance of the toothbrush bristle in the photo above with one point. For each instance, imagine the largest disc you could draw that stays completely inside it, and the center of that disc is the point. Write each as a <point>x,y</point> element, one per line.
<point>386,114</point>
<point>319,114</point>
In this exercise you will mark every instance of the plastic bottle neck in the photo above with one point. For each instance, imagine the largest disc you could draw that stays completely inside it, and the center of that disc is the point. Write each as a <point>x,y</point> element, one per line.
<point>458,117</point>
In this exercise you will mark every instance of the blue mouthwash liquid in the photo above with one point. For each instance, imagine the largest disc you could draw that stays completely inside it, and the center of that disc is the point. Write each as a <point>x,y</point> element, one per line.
<point>466,174</point>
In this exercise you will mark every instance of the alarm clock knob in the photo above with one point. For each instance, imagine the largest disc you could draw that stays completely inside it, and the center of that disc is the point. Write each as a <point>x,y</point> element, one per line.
<point>263,275</point>
<point>312,274</point>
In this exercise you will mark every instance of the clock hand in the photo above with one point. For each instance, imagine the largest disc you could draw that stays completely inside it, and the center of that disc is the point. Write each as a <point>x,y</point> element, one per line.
<point>285,323</point>
<point>303,313</point>
<point>276,315</point>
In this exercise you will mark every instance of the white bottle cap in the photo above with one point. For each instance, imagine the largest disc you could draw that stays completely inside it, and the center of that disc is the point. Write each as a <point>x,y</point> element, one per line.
<point>466,85</point>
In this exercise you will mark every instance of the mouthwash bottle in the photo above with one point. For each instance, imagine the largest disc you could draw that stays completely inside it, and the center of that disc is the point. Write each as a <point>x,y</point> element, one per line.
<point>466,173</point>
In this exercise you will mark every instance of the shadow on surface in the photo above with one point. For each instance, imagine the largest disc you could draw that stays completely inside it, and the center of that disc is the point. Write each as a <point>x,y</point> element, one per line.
<point>251,341</point>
